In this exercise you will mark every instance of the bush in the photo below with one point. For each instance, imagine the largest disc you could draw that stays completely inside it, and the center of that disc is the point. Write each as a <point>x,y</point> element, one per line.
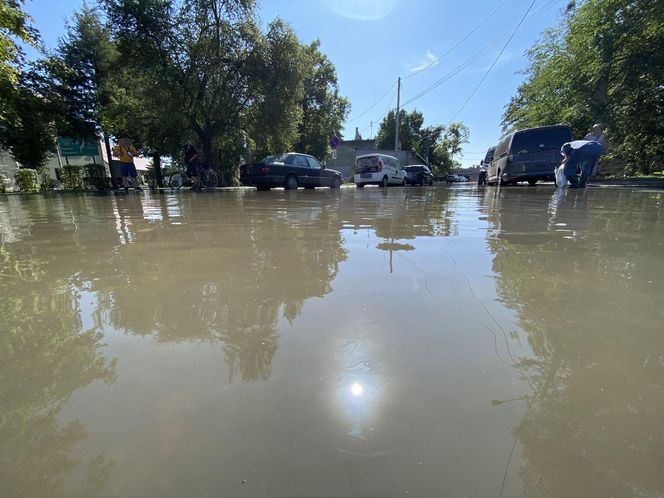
<point>46,183</point>
<point>95,177</point>
<point>26,180</point>
<point>71,177</point>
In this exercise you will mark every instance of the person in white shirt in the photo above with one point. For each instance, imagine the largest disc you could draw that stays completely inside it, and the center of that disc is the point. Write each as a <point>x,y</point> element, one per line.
<point>596,135</point>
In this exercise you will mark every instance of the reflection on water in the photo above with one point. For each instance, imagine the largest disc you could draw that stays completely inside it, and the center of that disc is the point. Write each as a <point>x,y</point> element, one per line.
<point>586,278</point>
<point>408,341</point>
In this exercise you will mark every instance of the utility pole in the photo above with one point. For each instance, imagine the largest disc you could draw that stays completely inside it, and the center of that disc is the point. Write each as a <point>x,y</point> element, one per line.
<point>371,132</point>
<point>396,132</point>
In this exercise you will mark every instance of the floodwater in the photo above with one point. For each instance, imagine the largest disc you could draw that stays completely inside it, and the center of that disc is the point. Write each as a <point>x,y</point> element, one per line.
<point>411,342</point>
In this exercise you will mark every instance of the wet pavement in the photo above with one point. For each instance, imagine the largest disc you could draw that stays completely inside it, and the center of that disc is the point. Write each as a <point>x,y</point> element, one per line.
<point>419,342</point>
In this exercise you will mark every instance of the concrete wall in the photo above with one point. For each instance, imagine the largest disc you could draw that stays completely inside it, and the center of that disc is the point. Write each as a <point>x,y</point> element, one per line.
<point>8,166</point>
<point>350,149</point>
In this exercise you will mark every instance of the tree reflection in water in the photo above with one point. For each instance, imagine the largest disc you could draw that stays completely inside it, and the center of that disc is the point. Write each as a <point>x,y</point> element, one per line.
<point>45,355</point>
<point>586,282</point>
<point>206,280</point>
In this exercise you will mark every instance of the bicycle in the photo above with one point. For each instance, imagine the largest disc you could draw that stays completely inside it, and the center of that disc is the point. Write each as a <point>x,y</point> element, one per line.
<point>206,176</point>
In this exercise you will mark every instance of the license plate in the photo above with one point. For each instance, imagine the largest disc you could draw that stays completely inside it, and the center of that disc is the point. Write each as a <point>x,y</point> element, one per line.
<point>365,175</point>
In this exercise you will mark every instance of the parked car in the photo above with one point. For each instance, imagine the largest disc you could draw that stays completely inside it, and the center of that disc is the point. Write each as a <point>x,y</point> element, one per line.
<point>455,179</point>
<point>378,169</point>
<point>528,155</point>
<point>484,163</point>
<point>418,174</point>
<point>290,170</point>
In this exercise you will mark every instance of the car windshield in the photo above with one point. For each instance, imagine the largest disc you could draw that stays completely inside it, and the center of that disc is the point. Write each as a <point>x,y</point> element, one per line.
<point>276,158</point>
<point>413,169</point>
<point>540,139</point>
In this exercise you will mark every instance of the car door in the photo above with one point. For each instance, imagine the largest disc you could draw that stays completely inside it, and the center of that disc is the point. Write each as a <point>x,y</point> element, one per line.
<point>302,170</point>
<point>399,172</point>
<point>317,173</point>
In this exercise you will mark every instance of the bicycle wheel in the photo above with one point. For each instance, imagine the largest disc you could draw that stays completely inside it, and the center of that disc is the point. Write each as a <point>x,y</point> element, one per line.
<point>209,179</point>
<point>176,180</point>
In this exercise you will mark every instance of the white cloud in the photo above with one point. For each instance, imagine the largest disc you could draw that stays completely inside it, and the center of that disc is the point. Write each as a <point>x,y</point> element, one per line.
<point>428,59</point>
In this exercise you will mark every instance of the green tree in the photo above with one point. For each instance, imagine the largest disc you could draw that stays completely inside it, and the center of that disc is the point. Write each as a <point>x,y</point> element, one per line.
<point>15,27</point>
<point>451,145</point>
<point>29,130</point>
<point>603,63</point>
<point>436,143</point>
<point>88,57</point>
<point>410,125</point>
<point>208,63</point>
<point>323,109</point>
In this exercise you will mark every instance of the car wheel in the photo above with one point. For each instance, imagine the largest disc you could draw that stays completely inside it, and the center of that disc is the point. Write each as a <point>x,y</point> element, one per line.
<point>384,182</point>
<point>291,183</point>
<point>532,183</point>
<point>336,183</point>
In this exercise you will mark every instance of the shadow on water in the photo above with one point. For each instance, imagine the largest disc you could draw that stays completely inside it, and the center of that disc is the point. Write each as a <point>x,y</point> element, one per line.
<point>583,271</point>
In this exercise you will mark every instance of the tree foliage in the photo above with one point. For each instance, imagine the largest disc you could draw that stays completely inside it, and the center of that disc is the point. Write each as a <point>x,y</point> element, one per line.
<point>164,72</point>
<point>205,68</point>
<point>88,58</point>
<point>15,27</point>
<point>603,63</point>
<point>29,131</point>
<point>323,108</point>
<point>437,143</point>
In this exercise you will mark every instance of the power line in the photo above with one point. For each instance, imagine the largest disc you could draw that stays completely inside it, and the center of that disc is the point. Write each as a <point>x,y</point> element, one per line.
<point>372,105</point>
<point>523,18</point>
<point>378,121</point>
<point>449,75</point>
<point>473,58</point>
<point>455,71</point>
<point>432,63</point>
<point>436,61</point>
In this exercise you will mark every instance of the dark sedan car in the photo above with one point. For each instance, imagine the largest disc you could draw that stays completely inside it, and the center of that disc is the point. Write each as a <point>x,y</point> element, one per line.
<point>418,174</point>
<point>290,171</point>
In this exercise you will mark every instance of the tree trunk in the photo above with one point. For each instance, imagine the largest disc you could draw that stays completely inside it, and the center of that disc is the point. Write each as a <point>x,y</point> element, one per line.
<point>156,161</point>
<point>109,155</point>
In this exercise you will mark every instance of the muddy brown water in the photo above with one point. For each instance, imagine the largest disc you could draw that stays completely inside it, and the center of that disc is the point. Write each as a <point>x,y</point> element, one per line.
<point>378,343</point>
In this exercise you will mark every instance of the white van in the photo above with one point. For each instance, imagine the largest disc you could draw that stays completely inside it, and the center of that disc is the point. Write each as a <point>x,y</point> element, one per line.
<point>378,169</point>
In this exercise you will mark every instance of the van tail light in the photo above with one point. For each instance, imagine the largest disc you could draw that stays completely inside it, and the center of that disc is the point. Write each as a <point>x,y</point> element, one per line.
<point>265,170</point>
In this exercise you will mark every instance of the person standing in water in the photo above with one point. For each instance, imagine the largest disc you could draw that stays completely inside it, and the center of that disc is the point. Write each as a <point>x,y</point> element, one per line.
<point>597,135</point>
<point>583,155</point>
<point>126,152</point>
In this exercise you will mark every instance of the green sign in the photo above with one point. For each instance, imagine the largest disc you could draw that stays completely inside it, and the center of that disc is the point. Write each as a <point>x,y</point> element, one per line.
<point>70,147</point>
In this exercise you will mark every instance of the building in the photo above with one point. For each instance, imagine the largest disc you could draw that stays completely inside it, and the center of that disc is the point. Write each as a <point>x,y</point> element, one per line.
<point>344,155</point>
<point>70,153</point>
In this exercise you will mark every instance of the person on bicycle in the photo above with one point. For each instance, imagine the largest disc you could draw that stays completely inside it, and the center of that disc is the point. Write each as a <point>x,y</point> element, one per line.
<point>192,159</point>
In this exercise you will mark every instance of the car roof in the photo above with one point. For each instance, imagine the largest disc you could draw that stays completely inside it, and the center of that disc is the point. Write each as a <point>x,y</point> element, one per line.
<point>374,155</point>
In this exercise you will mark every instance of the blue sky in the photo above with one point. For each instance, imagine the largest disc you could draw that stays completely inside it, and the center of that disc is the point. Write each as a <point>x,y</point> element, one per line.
<point>372,42</point>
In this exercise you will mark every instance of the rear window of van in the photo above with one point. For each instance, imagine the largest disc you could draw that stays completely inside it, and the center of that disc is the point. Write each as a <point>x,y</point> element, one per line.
<point>540,139</point>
